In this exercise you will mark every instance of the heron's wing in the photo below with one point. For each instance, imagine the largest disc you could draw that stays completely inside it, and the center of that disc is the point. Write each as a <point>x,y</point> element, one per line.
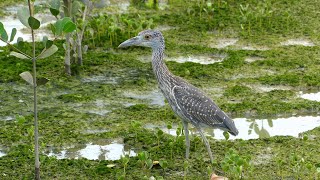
<point>199,108</point>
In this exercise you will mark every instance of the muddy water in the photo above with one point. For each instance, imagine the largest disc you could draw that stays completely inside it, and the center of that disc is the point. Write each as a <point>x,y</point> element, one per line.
<point>259,128</point>
<point>93,151</point>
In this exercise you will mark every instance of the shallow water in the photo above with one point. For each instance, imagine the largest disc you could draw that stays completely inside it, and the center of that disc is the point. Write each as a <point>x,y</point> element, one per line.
<point>98,107</point>
<point>154,97</point>
<point>223,42</point>
<point>310,96</point>
<point>7,118</point>
<point>101,79</point>
<point>94,131</point>
<point>301,42</point>
<point>200,59</point>
<point>259,128</point>
<point>100,151</point>
<point>2,154</point>
<point>264,88</point>
<point>253,48</point>
<point>251,59</point>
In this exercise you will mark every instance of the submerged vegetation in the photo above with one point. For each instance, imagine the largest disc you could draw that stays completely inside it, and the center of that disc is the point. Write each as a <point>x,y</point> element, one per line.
<point>96,98</point>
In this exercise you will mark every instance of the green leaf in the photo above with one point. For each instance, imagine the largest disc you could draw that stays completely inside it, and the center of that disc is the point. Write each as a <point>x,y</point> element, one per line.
<point>69,27</point>
<point>13,34</point>
<point>42,81</point>
<point>20,42</point>
<point>270,122</point>
<point>3,33</point>
<point>64,25</point>
<point>163,164</point>
<point>76,7</point>
<point>226,135</point>
<point>53,29</point>
<point>20,119</point>
<point>27,77</point>
<point>54,12</point>
<point>48,52</point>
<point>33,22</point>
<point>49,44</point>
<point>20,39</point>
<point>55,4</point>
<point>18,55</point>
<point>44,40</point>
<point>263,133</point>
<point>23,15</point>
<point>149,163</point>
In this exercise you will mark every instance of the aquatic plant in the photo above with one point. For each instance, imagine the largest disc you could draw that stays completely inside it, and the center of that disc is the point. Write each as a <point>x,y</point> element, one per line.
<point>144,160</point>
<point>235,165</point>
<point>124,160</point>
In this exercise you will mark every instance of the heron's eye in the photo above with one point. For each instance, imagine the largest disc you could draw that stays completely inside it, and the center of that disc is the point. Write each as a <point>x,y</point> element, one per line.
<point>147,37</point>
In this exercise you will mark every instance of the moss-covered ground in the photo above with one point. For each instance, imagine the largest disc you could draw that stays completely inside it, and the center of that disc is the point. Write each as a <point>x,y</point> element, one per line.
<point>68,106</point>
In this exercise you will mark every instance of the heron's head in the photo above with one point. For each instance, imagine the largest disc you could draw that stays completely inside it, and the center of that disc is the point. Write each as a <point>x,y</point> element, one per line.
<point>233,130</point>
<point>231,127</point>
<point>147,38</point>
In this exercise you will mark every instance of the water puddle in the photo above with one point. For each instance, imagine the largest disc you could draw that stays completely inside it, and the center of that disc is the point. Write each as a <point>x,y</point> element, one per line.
<point>94,151</point>
<point>2,154</point>
<point>223,42</point>
<point>94,131</point>
<point>263,88</point>
<point>101,112</point>
<point>258,128</point>
<point>98,107</point>
<point>310,96</point>
<point>253,48</point>
<point>251,59</point>
<point>297,42</point>
<point>7,118</point>
<point>154,97</point>
<point>100,79</point>
<point>200,59</point>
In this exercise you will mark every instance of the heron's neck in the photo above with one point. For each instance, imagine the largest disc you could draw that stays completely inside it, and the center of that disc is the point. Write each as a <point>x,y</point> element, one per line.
<point>159,67</point>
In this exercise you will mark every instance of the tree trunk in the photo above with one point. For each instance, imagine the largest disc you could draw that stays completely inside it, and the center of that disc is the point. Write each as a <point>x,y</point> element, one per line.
<point>67,62</point>
<point>79,50</point>
<point>67,13</point>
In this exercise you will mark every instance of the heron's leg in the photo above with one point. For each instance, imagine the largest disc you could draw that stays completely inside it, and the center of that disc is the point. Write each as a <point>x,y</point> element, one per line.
<point>206,142</point>
<point>186,133</point>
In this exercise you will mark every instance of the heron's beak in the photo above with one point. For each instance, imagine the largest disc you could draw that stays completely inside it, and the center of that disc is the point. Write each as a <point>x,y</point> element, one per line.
<point>130,42</point>
<point>234,133</point>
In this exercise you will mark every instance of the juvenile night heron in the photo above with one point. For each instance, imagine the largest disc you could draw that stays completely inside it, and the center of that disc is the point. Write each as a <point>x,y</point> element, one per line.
<point>187,101</point>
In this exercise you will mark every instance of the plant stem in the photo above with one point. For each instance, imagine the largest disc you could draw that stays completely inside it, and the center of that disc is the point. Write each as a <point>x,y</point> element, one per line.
<point>35,110</point>
<point>15,48</point>
<point>67,13</point>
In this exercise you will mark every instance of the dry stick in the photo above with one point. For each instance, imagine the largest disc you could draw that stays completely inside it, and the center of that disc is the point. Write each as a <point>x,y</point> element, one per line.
<point>36,135</point>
